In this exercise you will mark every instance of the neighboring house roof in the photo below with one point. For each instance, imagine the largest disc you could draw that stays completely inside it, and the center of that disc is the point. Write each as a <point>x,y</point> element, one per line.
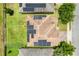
<point>36,7</point>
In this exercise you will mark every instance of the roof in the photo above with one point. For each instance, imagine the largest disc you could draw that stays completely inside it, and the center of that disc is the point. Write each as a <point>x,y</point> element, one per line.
<point>46,33</point>
<point>36,8</point>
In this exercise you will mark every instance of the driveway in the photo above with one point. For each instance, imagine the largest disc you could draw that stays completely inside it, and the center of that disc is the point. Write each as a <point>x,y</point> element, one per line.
<point>75,30</point>
<point>35,52</point>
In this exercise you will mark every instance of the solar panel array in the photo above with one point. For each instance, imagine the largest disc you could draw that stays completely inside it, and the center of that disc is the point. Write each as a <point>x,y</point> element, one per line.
<point>42,43</point>
<point>35,17</point>
<point>30,31</point>
<point>35,5</point>
<point>28,9</point>
<point>32,6</point>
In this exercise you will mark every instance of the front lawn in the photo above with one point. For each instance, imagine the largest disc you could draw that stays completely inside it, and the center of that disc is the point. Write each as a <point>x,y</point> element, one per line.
<point>16,30</point>
<point>12,51</point>
<point>62,27</point>
<point>1,30</point>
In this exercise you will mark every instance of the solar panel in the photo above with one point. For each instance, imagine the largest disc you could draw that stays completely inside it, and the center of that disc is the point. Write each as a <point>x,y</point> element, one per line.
<point>38,17</point>
<point>28,9</point>
<point>29,26</point>
<point>42,43</point>
<point>36,5</point>
<point>30,31</point>
<point>48,43</point>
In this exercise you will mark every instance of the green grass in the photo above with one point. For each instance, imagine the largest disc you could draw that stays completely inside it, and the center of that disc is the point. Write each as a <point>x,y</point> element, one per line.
<point>1,19</point>
<point>62,27</point>
<point>1,12</point>
<point>16,29</point>
<point>12,52</point>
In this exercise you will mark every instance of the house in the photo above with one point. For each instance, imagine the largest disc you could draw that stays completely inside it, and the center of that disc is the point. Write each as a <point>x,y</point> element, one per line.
<point>42,29</point>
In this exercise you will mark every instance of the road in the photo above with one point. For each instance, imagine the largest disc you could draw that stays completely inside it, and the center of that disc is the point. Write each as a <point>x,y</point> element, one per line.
<point>75,30</point>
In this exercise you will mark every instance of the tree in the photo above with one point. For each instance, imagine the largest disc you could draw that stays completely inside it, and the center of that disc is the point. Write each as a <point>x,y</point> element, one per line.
<point>9,11</point>
<point>63,49</point>
<point>66,12</point>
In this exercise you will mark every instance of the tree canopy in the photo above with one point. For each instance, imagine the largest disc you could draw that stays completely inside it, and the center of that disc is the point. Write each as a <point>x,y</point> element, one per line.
<point>9,11</point>
<point>66,12</point>
<point>63,49</point>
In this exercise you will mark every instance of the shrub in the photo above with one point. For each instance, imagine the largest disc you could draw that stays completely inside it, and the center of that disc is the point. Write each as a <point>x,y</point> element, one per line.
<point>63,49</point>
<point>9,11</point>
<point>66,12</point>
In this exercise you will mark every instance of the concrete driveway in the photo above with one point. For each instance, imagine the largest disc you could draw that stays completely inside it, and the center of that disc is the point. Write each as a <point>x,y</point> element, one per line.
<point>35,52</point>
